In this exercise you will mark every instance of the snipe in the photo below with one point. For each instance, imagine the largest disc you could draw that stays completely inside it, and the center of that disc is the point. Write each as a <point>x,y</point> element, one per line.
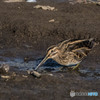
<point>69,52</point>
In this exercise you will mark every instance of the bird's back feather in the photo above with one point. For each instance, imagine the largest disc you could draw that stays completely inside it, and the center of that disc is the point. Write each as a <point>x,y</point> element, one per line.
<point>79,47</point>
<point>77,44</point>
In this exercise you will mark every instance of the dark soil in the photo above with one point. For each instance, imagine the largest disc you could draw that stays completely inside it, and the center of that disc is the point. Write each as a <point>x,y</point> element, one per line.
<point>24,29</point>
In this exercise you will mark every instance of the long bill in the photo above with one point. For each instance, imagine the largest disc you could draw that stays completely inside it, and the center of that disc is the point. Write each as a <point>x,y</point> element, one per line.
<point>43,61</point>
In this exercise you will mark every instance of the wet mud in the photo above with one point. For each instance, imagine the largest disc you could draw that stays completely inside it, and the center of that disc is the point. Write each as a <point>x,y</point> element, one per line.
<point>26,33</point>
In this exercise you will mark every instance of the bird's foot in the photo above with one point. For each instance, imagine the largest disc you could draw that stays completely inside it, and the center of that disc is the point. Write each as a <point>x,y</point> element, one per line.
<point>75,67</point>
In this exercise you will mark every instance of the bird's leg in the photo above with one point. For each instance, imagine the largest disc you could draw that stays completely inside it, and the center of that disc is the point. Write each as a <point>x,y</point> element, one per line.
<point>75,67</point>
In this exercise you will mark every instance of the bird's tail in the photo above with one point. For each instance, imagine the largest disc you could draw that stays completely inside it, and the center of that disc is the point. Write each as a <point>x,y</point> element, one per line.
<point>92,42</point>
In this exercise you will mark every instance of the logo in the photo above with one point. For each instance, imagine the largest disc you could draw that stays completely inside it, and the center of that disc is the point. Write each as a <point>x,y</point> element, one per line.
<point>73,93</point>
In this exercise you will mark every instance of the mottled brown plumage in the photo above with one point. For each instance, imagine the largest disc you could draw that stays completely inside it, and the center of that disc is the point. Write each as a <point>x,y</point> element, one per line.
<point>69,52</point>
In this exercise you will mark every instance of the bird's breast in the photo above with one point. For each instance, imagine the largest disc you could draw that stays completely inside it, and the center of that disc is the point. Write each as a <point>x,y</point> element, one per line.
<point>66,60</point>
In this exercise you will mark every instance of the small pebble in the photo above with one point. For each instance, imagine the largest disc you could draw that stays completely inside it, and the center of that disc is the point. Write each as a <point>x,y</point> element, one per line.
<point>50,74</point>
<point>34,73</point>
<point>5,76</point>
<point>4,68</point>
<point>51,21</point>
<point>24,76</point>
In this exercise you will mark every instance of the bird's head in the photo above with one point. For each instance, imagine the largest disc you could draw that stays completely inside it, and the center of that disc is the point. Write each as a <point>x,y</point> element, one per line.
<point>52,52</point>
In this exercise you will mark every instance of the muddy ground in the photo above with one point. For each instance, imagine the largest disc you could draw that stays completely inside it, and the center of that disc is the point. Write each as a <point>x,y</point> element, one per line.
<point>26,32</point>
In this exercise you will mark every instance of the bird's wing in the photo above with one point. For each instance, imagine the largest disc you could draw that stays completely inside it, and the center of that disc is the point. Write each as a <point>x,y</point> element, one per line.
<point>81,52</point>
<point>61,44</point>
<point>77,44</point>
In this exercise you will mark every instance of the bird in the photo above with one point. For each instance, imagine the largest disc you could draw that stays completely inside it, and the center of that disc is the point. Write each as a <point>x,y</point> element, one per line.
<point>70,52</point>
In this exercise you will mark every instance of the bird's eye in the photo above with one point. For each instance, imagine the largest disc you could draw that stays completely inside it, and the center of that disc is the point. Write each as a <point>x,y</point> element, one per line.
<point>51,50</point>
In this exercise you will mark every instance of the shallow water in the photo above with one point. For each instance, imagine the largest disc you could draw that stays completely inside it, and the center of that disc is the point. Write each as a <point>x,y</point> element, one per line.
<point>62,0</point>
<point>31,0</point>
<point>48,66</point>
<point>22,65</point>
